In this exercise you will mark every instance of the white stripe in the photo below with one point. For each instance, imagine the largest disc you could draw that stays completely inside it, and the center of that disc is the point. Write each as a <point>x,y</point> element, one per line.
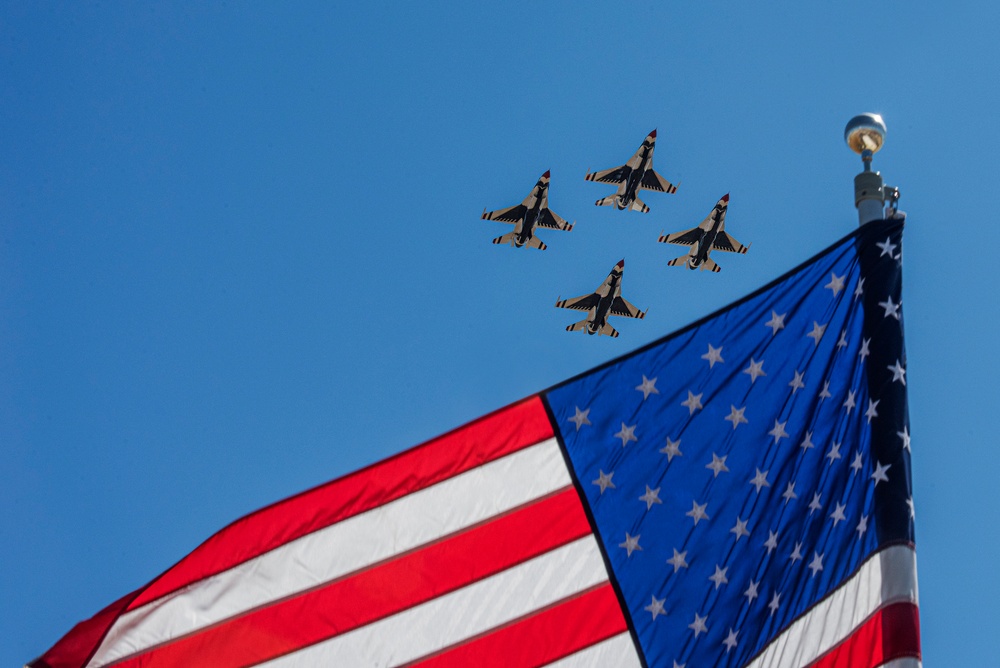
<point>342,548</point>
<point>906,662</point>
<point>618,651</point>
<point>888,577</point>
<point>462,614</point>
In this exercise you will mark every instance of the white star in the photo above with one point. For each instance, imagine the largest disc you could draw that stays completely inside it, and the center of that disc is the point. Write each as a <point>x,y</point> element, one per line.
<point>817,332</point>
<point>862,526</point>
<point>871,412</point>
<point>864,349</point>
<point>693,402</point>
<point>650,497</point>
<point>816,565</point>
<point>890,308</point>
<point>656,607</point>
<point>713,355</point>
<point>838,514</point>
<point>779,431</point>
<point>842,341</point>
<point>730,641</point>
<point>718,464</point>
<point>698,625</point>
<point>836,283</point>
<point>580,418</point>
<point>751,592</point>
<point>736,416</point>
<point>850,403</point>
<point>719,577</point>
<point>740,529</point>
<point>679,560</point>
<point>834,453</point>
<point>898,372</point>
<point>797,383</point>
<point>697,513</point>
<point>755,370</point>
<point>680,665</point>
<point>760,480</point>
<point>887,247</point>
<point>775,603</point>
<point>631,543</point>
<point>825,394</point>
<point>647,388</point>
<point>879,474</point>
<point>807,441</point>
<point>604,481</point>
<point>790,493</point>
<point>796,554</point>
<point>905,435</point>
<point>626,434</point>
<point>772,542</point>
<point>913,510</point>
<point>857,464</point>
<point>672,449</point>
<point>860,290</point>
<point>776,322</point>
<point>814,505</point>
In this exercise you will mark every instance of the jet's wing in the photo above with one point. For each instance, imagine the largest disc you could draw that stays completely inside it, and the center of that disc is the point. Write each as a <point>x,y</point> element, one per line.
<point>684,238</point>
<point>724,242</point>
<point>553,221</point>
<point>512,214</point>
<point>623,308</point>
<point>584,303</point>
<point>653,181</point>
<point>615,175</point>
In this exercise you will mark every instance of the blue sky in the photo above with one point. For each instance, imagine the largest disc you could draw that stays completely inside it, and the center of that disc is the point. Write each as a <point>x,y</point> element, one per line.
<point>241,254</point>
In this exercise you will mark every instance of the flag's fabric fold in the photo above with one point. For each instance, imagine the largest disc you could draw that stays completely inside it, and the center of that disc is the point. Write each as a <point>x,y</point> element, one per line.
<point>735,494</point>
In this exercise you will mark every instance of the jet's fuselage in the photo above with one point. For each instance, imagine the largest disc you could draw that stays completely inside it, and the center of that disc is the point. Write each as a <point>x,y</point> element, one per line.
<point>630,189</point>
<point>707,239</point>
<point>525,229</point>
<point>614,288</point>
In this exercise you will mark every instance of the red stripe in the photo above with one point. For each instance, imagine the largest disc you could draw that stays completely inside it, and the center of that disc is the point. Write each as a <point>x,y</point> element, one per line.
<point>381,590</point>
<point>891,633</point>
<point>560,630</point>
<point>74,649</point>
<point>491,437</point>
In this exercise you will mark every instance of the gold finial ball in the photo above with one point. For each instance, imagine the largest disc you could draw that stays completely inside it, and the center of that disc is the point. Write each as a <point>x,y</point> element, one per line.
<point>865,133</point>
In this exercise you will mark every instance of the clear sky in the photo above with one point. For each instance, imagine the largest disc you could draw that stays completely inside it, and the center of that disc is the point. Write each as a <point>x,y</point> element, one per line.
<point>241,253</point>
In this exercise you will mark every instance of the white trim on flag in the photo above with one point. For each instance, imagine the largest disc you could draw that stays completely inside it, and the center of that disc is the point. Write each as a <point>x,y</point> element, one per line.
<point>890,576</point>
<point>462,614</point>
<point>618,651</point>
<point>906,662</point>
<point>345,547</point>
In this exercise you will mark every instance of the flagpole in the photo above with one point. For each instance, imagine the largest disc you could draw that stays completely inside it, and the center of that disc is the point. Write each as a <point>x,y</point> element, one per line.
<point>865,135</point>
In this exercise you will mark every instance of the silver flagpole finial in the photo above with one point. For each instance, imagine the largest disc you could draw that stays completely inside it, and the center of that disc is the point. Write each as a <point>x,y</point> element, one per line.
<point>865,135</point>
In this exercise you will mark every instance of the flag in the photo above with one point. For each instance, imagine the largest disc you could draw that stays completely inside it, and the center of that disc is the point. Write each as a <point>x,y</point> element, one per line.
<point>737,493</point>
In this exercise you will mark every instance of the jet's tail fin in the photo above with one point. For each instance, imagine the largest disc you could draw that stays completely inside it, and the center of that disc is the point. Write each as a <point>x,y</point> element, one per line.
<point>577,326</point>
<point>638,205</point>
<point>679,261</point>
<point>535,242</point>
<point>710,264</point>
<point>608,330</point>
<point>610,200</point>
<point>506,238</point>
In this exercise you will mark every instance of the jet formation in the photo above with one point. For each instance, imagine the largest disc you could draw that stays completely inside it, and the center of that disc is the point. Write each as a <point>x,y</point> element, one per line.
<point>531,213</point>
<point>708,236</point>
<point>606,301</point>
<point>635,175</point>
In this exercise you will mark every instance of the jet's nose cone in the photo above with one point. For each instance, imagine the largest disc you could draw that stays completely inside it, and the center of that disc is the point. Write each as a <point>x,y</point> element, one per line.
<point>546,174</point>
<point>653,133</point>
<point>725,198</point>
<point>621,264</point>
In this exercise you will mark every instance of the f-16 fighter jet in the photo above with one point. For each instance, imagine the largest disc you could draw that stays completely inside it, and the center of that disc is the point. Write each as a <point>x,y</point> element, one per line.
<point>708,236</point>
<point>604,302</point>
<point>633,176</point>
<point>531,213</point>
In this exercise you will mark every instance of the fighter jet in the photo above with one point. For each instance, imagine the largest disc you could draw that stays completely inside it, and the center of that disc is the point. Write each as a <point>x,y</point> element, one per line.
<point>604,302</point>
<point>708,236</point>
<point>531,213</point>
<point>633,176</point>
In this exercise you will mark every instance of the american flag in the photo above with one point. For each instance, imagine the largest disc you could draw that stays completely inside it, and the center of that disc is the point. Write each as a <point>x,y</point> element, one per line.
<point>735,494</point>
